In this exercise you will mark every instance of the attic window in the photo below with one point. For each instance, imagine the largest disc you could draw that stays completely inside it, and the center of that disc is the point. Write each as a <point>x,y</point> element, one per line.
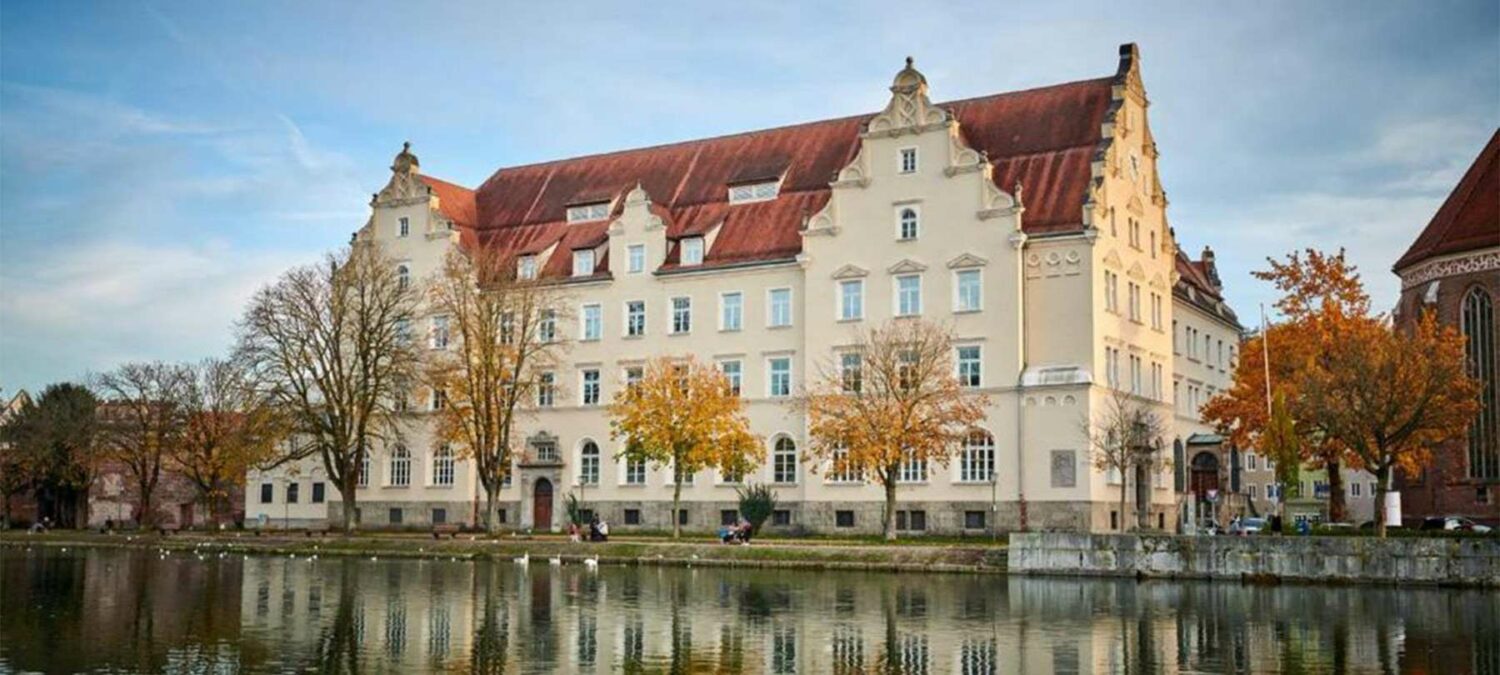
<point>583,262</point>
<point>692,251</point>
<point>754,192</point>
<point>586,212</point>
<point>526,267</point>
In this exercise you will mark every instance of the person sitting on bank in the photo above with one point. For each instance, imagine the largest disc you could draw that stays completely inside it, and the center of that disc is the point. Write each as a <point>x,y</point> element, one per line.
<point>603,530</point>
<point>594,529</point>
<point>573,537</point>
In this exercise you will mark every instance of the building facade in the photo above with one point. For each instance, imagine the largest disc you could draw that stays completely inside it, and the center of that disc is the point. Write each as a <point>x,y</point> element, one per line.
<point>1453,269</point>
<point>1033,223</point>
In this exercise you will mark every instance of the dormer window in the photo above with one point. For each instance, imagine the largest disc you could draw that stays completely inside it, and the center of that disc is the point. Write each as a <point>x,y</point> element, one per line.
<point>754,192</point>
<point>526,267</point>
<point>692,251</point>
<point>583,262</point>
<point>586,212</point>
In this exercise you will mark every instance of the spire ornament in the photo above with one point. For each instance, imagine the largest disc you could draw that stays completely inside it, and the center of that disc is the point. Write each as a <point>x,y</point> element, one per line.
<point>909,111</point>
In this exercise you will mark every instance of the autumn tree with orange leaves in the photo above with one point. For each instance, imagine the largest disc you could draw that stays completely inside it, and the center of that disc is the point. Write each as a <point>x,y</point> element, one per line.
<point>501,335</point>
<point>1357,390</point>
<point>228,429</point>
<point>896,402</point>
<point>683,415</point>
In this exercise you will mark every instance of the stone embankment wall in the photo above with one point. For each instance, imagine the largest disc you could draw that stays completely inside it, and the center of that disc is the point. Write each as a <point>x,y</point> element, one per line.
<point>1452,561</point>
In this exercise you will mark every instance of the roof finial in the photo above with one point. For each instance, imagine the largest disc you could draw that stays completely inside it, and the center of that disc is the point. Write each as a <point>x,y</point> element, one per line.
<point>1020,201</point>
<point>405,161</point>
<point>909,61</point>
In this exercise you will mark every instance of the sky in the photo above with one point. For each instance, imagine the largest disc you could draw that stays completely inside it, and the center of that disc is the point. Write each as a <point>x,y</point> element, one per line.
<point>161,161</point>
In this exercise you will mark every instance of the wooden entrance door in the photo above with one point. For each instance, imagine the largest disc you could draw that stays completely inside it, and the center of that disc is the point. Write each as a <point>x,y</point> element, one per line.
<point>541,504</point>
<point>1205,476</point>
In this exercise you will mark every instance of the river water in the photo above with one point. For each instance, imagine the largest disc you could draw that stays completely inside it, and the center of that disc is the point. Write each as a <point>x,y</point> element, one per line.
<point>110,610</point>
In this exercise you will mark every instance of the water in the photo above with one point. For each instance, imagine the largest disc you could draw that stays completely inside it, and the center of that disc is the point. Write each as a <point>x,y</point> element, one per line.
<point>104,610</point>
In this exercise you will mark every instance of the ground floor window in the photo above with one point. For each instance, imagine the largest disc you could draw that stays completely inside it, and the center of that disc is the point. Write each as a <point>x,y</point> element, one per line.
<point>973,520</point>
<point>843,518</point>
<point>318,493</point>
<point>503,516</point>
<point>439,516</point>
<point>395,516</point>
<point>682,516</point>
<point>729,517</point>
<point>915,521</point>
<point>267,493</point>
<point>781,517</point>
<point>632,516</point>
<point>292,490</point>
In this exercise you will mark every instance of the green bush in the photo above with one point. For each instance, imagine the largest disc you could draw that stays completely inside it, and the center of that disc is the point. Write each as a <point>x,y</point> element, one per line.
<point>757,502</point>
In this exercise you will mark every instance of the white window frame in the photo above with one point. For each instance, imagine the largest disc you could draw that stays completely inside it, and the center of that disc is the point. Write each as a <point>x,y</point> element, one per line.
<point>902,154</point>
<point>771,376</point>
<point>843,300</point>
<point>635,471</point>
<point>546,389</point>
<point>582,213</point>
<point>635,258</point>
<point>682,315</point>
<point>897,299</point>
<point>631,316</point>
<point>583,386</point>
<point>958,365</point>
<point>403,227</point>
<point>974,458</point>
<point>400,474</point>
<point>591,322</point>
<point>441,335</point>
<point>916,210</point>
<point>583,262</point>
<point>737,377</point>
<point>693,251</point>
<point>443,466</point>
<point>403,275</point>
<point>526,267</point>
<point>778,476</point>
<point>738,323</point>
<point>546,326</point>
<point>771,307</point>
<point>588,471</point>
<point>746,193</point>
<point>959,307</point>
<point>912,471</point>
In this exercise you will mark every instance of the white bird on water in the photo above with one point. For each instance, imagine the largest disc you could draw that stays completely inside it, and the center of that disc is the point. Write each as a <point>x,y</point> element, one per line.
<point>524,560</point>
<point>554,561</point>
<point>591,563</point>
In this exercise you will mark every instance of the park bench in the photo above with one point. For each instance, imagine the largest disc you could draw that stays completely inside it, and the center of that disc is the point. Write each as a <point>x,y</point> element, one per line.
<point>444,528</point>
<point>320,529</point>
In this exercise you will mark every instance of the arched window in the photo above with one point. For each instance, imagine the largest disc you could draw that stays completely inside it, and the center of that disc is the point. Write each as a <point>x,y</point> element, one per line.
<point>400,466</point>
<point>442,465</point>
<point>908,221</point>
<point>784,461</point>
<point>977,464</point>
<point>1477,321</point>
<point>588,464</point>
<point>403,276</point>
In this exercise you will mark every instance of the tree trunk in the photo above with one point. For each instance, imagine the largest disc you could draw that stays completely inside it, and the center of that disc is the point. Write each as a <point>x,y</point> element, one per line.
<point>1336,508</point>
<point>1142,498</point>
<point>491,497</point>
<point>1382,483</point>
<point>676,502</point>
<point>347,496</point>
<point>1124,490</point>
<point>148,514</point>
<point>889,529</point>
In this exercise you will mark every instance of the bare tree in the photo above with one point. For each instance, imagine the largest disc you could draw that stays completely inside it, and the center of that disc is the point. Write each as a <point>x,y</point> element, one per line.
<point>141,423</point>
<point>331,346</point>
<point>1126,436</point>
<point>229,428</point>
<point>505,332</point>
<point>895,407</point>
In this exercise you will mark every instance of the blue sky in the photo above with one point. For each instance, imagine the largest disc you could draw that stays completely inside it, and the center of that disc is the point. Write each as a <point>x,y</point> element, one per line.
<point>160,161</point>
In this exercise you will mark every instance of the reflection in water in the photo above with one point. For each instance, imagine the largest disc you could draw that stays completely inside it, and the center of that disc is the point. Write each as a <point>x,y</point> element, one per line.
<point>132,611</point>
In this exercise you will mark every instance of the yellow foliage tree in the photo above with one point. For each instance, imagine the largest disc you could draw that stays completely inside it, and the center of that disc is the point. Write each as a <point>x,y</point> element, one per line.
<point>898,403</point>
<point>682,414</point>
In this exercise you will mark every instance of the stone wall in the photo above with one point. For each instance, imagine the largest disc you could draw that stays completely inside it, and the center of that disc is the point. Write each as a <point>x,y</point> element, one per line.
<point>1456,561</point>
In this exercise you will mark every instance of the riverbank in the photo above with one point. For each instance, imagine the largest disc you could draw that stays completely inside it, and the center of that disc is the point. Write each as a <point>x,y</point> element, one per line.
<point>974,558</point>
<point>1466,562</point>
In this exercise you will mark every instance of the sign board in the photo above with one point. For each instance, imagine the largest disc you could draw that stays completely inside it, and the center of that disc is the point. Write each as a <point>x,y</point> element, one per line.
<point>1393,509</point>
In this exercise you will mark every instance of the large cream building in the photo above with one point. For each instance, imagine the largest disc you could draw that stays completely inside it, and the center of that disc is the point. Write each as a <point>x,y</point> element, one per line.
<point>1032,222</point>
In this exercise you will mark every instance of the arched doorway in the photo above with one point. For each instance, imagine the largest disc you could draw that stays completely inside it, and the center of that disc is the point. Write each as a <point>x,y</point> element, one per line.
<point>1205,475</point>
<point>541,504</point>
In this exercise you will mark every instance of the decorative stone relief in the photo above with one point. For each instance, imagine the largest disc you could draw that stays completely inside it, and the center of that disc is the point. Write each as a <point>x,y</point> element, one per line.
<point>909,110</point>
<point>1053,264</point>
<point>1064,469</point>
<point>820,224</point>
<point>850,272</point>
<point>1468,263</point>
<point>405,187</point>
<point>856,173</point>
<point>967,260</point>
<point>907,266</point>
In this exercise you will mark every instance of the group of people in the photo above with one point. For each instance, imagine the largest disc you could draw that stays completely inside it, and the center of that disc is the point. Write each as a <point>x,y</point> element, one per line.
<point>738,533</point>
<point>598,531</point>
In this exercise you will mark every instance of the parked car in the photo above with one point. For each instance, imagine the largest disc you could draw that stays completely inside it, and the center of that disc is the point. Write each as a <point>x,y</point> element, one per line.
<point>1249,526</point>
<point>1454,524</point>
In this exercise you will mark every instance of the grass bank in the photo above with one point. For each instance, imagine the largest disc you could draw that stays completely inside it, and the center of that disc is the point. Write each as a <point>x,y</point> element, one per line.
<point>981,557</point>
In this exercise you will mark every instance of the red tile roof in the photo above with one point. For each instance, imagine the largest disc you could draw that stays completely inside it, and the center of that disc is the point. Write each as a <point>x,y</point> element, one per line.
<point>1469,219</point>
<point>1044,138</point>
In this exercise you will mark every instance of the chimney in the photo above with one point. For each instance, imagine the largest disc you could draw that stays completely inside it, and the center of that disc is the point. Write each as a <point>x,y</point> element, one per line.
<point>1210,269</point>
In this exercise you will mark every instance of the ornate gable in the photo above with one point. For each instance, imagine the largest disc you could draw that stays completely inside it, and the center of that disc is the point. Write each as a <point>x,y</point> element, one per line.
<point>850,272</point>
<point>909,111</point>
<point>406,186</point>
<point>967,260</point>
